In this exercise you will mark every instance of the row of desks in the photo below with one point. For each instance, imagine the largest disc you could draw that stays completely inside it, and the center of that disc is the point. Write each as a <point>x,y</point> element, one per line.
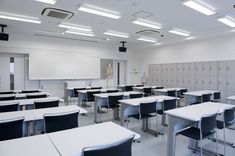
<point>66,143</point>
<point>23,95</point>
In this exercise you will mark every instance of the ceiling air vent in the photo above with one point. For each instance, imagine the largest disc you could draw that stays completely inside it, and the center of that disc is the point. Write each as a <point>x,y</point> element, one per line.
<point>57,13</point>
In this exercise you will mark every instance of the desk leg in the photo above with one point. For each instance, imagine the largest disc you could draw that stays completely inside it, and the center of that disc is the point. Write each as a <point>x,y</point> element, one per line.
<point>96,110</point>
<point>174,125</point>
<point>145,127</point>
<point>123,107</point>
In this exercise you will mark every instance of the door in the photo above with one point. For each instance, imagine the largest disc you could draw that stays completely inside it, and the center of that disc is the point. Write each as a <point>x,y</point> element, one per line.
<point>120,69</point>
<point>4,73</point>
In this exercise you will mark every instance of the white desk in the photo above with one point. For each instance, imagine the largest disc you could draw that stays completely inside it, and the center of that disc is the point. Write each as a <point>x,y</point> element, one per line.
<point>231,99</point>
<point>39,113</point>
<point>71,142</point>
<point>82,94</point>
<point>23,95</point>
<point>131,106</point>
<point>180,118</point>
<point>28,102</point>
<point>122,87</point>
<point>102,100</point>
<point>165,90</point>
<point>195,96</point>
<point>140,89</point>
<point>39,145</point>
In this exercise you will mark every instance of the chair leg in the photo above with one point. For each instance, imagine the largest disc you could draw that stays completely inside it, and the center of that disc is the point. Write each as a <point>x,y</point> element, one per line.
<point>201,146</point>
<point>216,142</point>
<point>224,142</point>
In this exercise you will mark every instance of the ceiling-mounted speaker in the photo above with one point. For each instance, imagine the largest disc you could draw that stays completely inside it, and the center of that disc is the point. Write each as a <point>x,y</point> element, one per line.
<point>122,48</point>
<point>57,13</point>
<point>3,36</point>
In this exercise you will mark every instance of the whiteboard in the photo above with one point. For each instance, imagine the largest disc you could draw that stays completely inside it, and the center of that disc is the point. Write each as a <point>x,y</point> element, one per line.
<point>63,66</point>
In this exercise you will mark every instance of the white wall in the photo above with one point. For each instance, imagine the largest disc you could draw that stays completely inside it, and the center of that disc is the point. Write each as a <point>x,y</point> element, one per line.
<point>24,44</point>
<point>206,49</point>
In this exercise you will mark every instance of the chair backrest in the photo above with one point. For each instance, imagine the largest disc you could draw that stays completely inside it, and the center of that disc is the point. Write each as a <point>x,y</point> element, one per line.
<point>96,87</point>
<point>59,122</point>
<point>121,148</point>
<point>169,104</point>
<point>9,107</point>
<point>158,87</point>
<point>182,91</point>
<point>36,96</point>
<point>217,95</point>
<point>90,95</point>
<point>136,95</point>
<point>11,129</point>
<point>46,103</point>
<point>30,91</point>
<point>147,107</point>
<point>75,93</point>
<point>208,124</point>
<point>229,116</point>
<point>8,97</point>
<point>128,88</point>
<point>171,93</point>
<point>113,100</point>
<point>112,90</point>
<point>7,92</point>
<point>147,91</point>
<point>206,97</point>
<point>139,85</point>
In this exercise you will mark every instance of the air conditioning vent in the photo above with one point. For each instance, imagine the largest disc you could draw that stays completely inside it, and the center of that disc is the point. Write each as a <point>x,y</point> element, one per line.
<point>57,13</point>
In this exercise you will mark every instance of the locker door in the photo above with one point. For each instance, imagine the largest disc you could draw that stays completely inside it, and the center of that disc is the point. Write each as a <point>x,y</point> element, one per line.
<point>185,75</point>
<point>168,75</point>
<point>191,76</point>
<point>222,65</point>
<point>205,75</point>
<point>230,81</point>
<point>177,75</point>
<point>213,76</point>
<point>198,76</point>
<point>173,75</point>
<point>163,71</point>
<point>158,80</point>
<point>151,74</point>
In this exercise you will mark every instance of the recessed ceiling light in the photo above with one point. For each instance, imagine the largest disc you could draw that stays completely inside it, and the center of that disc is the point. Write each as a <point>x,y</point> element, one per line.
<point>227,20</point>
<point>48,32</point>
<point>76,27</point>
<point>117,34</point>
<point>200,7</point>
<point>22,18</point>
<point>79,33</point>
<point>179,32</point>
<point>147,23</point>
<point>147,39</point>
<point>190,38</point>
<point>47,1</point>
<point>99,11</point>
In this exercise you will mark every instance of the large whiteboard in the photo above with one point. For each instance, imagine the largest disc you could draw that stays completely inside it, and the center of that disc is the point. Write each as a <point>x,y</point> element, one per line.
<point>63,66</point>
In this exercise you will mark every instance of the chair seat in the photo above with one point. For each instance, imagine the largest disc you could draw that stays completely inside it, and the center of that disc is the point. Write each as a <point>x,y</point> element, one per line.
<point>146,116</point>
<point>194,133</point>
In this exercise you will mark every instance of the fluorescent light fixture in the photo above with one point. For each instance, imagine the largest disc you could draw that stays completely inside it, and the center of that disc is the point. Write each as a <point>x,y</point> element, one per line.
<point>48,32</point>
<point>75,27</point>
<point>200,7</point>
<point>99,11</point>
<point>47,1</point>
<point>117,34</point>
<point>147,23</point>
<point>80,33</point>
<point>157,44</point>
<point>147,39</point>
<point>22,18</point>
<point>190,38</point>
<point>227,20</point>
<point>179,32</point>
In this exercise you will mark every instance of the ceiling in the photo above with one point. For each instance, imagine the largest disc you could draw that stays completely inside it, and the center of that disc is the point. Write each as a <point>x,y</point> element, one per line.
<point>170,13</point>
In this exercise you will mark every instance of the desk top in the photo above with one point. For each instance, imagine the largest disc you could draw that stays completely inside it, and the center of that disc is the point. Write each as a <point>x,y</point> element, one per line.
<point>153,87</point>
<point>105,95</point>
<point>200,92</point>
<point>137,101</point>
<point>168,89</point>
<point>195,112</point>
<point>101,90</point>
<point>28,146</point>
<point>39,113</point>
<point>27,114</point>
<point>86,87</point>
<point>23,95</point>
<point>231,98</point>
<point>23,102</point>
<point>71,142</point>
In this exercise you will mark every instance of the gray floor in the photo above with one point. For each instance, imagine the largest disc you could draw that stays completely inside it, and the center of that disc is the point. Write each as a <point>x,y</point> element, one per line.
<point>156,146</point>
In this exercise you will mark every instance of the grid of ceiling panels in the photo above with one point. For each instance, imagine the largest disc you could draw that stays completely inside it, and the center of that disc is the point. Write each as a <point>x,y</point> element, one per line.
<point>214,75</point>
